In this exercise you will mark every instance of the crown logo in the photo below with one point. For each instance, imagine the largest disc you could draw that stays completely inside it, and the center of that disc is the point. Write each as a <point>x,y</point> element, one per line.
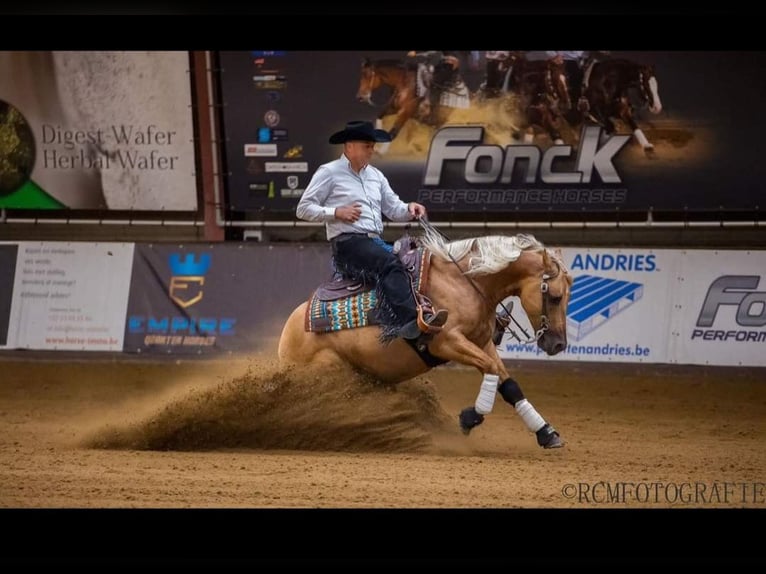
<point>189,266</point>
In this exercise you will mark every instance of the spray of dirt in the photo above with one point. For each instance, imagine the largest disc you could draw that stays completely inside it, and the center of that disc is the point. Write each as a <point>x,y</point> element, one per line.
<point>268,408</point>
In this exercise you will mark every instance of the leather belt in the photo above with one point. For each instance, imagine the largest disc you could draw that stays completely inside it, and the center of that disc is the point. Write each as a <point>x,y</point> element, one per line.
<point>342,236</point>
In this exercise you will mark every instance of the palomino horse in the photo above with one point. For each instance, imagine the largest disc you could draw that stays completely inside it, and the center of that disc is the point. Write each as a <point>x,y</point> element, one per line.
<point>543,95</point>
<point>470,278</point>
<point>610,87</point>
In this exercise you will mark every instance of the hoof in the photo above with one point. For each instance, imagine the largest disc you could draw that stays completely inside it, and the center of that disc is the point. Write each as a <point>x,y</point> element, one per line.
<point>469,418</point>
<point>548,437</point>
<point>649,151</point>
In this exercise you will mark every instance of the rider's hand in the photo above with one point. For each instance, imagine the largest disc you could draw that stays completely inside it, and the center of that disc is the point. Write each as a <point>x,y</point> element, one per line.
<point>349,213</point>
<point>417,211</point>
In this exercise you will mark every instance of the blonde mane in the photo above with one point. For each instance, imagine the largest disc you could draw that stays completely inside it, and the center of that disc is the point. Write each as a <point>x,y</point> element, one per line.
<point>490,254</point>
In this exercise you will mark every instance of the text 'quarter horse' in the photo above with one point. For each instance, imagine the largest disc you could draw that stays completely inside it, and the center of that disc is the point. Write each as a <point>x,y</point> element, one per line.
<point>470,278</point>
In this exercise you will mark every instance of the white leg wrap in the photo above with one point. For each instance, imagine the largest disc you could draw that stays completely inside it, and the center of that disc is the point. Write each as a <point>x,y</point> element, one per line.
<point>641,138</point>
<point>486,399</point>
<point>529,415</point>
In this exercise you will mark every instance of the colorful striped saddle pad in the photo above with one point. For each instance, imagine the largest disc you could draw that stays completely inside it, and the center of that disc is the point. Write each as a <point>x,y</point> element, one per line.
<point>326,313</point>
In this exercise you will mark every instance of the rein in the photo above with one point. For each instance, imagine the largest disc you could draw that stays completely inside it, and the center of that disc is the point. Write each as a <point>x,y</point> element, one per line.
<point>505,325</point>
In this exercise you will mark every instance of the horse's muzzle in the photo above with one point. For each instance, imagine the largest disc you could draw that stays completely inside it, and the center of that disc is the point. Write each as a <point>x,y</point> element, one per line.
<point>552,344</point>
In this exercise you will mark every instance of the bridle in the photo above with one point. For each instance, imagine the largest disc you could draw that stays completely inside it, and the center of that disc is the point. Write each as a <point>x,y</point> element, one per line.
<point>545,323</point>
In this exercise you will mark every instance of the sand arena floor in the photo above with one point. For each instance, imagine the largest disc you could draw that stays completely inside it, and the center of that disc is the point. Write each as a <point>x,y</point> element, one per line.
<point>101,460</point>
<point>240,434</point>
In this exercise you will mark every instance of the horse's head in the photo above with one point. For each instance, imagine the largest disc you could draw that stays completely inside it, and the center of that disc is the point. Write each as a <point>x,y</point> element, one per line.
<point>545,297</point>
<point>650,90</point>
<point>368,82</point>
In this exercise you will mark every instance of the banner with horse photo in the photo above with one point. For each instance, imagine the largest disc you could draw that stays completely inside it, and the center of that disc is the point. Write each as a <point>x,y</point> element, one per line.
<point>492,134</point>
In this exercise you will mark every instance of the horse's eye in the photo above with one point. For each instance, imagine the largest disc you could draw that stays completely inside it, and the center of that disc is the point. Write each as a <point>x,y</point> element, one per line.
<point>556,300</point>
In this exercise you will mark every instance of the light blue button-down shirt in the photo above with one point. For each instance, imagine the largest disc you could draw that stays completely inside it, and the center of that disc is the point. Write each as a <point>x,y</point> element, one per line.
<point>335,184</point>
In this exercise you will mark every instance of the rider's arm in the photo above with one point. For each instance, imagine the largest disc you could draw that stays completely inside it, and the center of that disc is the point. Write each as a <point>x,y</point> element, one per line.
<point>391,204</point>
<point>311,204</point>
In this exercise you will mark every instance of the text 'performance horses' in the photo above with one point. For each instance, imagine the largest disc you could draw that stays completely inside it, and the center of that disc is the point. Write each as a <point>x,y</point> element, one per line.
<point>470,278</point>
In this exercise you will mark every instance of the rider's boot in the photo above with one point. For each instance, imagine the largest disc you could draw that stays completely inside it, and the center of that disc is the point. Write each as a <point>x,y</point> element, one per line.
<point>426,322</point>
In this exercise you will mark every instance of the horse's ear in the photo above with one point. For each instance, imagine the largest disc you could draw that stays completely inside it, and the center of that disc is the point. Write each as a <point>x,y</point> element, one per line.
<point>546,260</point>
<point>365,62</point>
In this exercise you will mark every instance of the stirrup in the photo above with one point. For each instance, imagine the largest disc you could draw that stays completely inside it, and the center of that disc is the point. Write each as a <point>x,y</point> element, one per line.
<point>433,323</point>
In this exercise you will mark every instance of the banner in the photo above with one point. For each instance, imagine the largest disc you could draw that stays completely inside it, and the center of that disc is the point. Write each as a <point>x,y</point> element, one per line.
<point>722,298</point>
<point>69,296</point>
<point>620,308</point>
<point>478,142</point>
<point>213,298</point>
<point>97,130</point>
<point>700,307</point>
<point>8,255</point>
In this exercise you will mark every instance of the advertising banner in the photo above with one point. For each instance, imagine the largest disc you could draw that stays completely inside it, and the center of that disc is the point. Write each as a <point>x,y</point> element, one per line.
<point>8,253</point>
<point>619,310</point>
<point>69,296</point>
<point>722,302</point>
<point>496,133</point>
<point>211,298</point>
<point>97,130</point>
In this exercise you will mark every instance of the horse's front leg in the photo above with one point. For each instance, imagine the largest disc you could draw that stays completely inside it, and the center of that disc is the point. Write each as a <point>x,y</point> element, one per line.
<point>627,116</point>
<point>406,111</point>
<point>488,362</point>
<point>552,126</point>
<point>389,108</point>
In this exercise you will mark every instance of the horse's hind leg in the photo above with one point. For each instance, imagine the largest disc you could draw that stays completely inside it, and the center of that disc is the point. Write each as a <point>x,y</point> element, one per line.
<point>296,346</point>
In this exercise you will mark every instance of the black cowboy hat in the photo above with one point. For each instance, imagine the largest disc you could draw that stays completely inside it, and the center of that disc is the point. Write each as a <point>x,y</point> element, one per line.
<point>360,131</point>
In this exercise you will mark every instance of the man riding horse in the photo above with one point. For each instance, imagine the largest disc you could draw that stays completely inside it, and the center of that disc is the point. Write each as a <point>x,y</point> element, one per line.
<point>350,197</point>
<point>436,72</point>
